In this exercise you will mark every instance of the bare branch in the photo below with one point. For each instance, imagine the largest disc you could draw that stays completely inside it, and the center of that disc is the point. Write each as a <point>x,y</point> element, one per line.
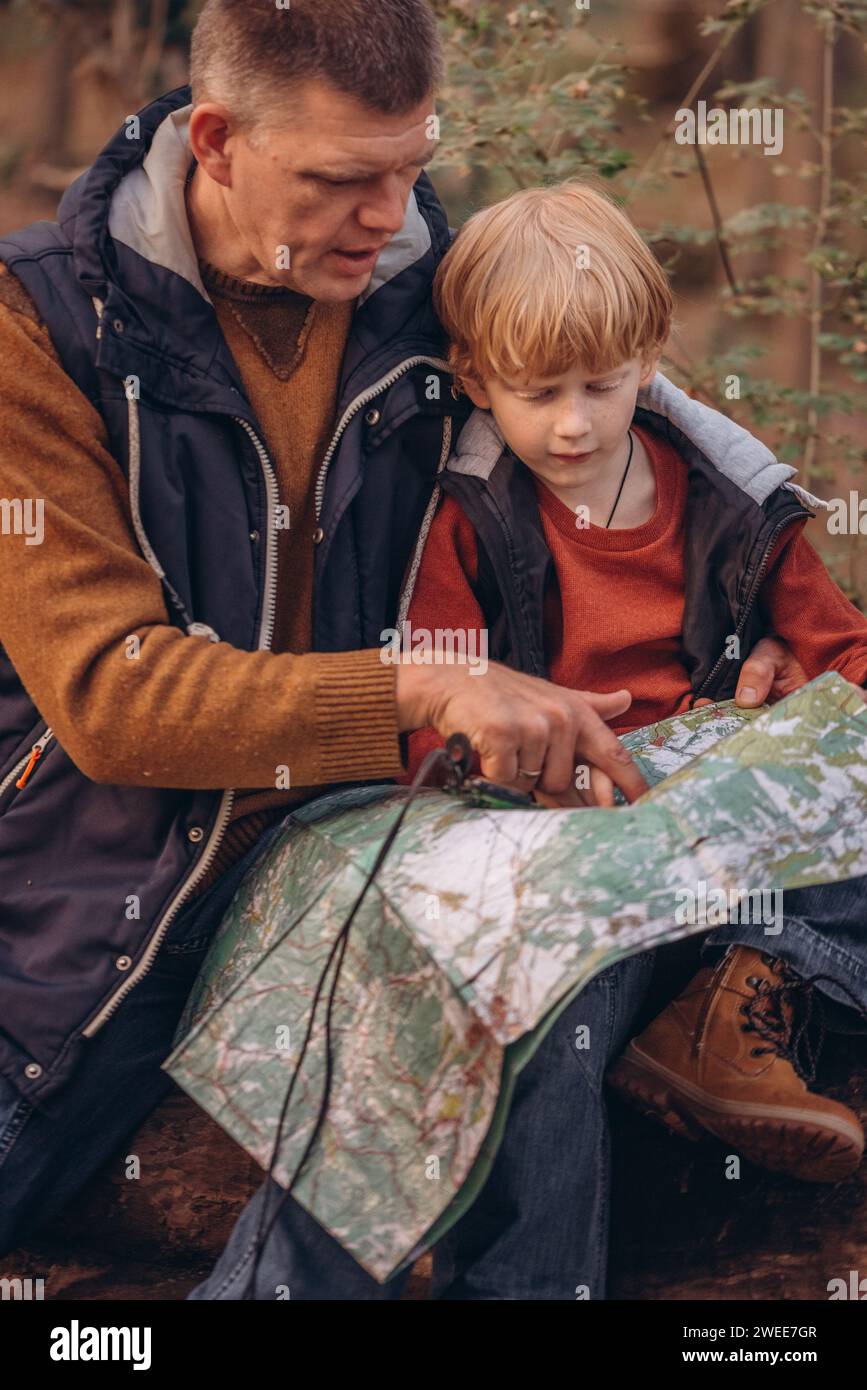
<point>717,220</point>
<point>815,283</point>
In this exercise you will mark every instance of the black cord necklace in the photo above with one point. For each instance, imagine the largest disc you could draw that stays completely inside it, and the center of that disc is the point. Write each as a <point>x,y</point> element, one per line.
<point>622,482</point>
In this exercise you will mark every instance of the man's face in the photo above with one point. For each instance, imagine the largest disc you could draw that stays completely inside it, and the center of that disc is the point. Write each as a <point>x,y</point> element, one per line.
<point>331,184</point>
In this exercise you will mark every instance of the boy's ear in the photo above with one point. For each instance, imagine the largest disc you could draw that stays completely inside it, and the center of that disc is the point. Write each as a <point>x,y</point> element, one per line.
<point>476,392</point>
<point>649,366</point>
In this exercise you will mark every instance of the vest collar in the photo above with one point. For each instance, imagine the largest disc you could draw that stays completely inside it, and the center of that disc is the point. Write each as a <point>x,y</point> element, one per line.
<point>723,445</point>
<point>147,212</point>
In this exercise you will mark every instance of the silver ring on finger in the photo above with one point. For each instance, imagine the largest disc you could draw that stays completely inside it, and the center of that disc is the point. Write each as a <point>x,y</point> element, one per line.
<point>525,772</point>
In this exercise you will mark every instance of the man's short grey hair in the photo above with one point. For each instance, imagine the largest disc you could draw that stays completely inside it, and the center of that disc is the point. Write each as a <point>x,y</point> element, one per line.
<point>250,54</point>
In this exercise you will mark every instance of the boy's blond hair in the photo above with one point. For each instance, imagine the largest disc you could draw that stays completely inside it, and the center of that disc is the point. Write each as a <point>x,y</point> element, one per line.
<point>548,278</point>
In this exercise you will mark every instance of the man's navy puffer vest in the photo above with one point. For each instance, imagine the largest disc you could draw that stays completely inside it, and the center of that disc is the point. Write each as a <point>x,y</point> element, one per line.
<point>92,875</point>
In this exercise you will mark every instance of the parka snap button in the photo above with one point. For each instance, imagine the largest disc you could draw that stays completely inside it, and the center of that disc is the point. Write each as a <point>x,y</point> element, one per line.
<point>195,834</point>
<point>318,536</point>
<point>117,325</point>
<point>123,962</point>
<point>32,1070</point>
<point>373,417</point>
<point>254,536</point>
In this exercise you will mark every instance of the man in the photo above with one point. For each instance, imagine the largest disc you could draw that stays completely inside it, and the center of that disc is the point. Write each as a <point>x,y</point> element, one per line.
<point>223,381</point>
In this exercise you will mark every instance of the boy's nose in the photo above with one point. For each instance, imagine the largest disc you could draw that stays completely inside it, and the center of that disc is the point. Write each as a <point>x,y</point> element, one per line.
<point>572,423</point>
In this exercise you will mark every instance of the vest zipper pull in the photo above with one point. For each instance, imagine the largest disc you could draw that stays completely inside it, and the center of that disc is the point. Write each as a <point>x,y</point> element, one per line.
<point>35,755</point>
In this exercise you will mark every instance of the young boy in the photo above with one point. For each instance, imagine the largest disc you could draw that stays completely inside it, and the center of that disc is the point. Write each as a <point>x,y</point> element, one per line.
<point>607,532</point>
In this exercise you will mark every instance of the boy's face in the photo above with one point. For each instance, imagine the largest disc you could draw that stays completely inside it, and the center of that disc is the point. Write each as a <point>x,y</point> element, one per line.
<point>567,429</point>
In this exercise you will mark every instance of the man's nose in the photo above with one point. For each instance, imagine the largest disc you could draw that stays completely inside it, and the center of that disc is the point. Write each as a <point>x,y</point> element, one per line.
<point>384,206</point>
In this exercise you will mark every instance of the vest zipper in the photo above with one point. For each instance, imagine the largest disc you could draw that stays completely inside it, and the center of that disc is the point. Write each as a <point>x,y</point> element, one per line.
<point>28,762</point>
<point>266,632</point>
<point>269,606</point>
<point>424,530</point>
<point>360,401</point>
<point>748,606</point>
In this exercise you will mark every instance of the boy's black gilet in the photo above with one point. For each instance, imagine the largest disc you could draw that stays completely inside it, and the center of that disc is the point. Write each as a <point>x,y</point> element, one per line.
<point>729,539</point>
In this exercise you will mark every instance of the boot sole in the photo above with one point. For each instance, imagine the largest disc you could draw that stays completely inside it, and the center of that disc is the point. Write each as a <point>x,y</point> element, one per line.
<point>785,1139</point>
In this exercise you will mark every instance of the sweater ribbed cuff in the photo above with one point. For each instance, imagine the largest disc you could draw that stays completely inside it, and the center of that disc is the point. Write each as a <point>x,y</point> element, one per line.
<point>356,717</point>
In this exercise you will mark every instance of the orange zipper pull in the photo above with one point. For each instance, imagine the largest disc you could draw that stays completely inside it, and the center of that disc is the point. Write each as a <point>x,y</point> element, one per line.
<point>35,755</point>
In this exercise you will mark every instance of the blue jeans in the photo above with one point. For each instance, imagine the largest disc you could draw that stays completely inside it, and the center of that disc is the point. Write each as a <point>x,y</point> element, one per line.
<point>824,932</point>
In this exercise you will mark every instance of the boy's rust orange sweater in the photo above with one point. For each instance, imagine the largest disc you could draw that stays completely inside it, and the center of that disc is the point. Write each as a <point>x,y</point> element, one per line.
<point>617,618</point>
<point>188,712</point>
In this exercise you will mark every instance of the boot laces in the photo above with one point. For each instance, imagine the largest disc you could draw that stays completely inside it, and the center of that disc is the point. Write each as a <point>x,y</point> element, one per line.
<point>790,1037</point>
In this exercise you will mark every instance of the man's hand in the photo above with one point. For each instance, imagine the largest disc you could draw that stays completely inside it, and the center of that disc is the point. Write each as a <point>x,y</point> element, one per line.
<point>518,724</point>
<point>770,671</point>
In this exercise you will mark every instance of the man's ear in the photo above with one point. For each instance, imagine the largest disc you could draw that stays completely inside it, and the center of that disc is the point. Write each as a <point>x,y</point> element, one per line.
<point>476,392</point>
<point>210,129</point>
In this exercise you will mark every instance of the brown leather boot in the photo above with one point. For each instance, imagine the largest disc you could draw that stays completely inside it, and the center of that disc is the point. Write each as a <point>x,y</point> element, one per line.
<point>723,1058</point>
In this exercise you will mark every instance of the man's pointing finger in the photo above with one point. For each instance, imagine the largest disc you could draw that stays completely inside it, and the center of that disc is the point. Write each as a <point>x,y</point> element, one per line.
<point>601,748</point>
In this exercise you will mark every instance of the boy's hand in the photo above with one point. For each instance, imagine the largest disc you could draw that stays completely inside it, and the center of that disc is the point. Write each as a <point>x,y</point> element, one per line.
<point>770,670</point>
<point>519,724</point>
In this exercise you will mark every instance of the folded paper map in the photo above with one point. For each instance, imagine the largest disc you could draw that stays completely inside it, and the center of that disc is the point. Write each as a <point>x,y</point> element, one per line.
<point>480,928</point>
